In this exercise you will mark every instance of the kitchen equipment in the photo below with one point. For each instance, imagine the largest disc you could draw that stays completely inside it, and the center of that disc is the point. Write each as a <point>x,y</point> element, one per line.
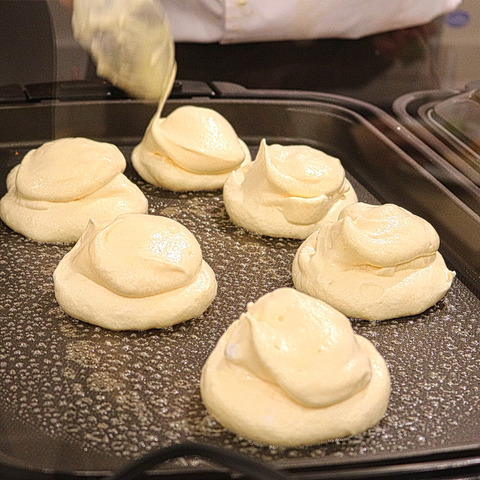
<point>449,121</point>
<point>87,401</point>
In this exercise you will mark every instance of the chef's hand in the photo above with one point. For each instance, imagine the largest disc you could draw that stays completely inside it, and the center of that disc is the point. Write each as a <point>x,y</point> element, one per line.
<point>67,3</point>
<point>407,44</point>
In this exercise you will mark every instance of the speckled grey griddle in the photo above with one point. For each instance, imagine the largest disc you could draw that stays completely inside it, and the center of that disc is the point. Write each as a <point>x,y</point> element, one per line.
<point>113,396</point>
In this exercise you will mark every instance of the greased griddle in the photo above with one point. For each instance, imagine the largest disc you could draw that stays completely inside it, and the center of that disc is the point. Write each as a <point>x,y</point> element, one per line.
<point>87,401</point>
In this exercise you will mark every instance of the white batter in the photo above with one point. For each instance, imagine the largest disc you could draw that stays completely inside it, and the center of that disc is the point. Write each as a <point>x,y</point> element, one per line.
<point>193,148</point>
<point>288,191</point>
<point>292,372</point>
<point>139,272</point>
<point>374,263</point>
<point>59,186</point>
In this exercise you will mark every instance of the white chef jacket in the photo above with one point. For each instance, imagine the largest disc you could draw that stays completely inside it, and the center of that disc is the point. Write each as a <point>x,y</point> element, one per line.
<point>236,21</point>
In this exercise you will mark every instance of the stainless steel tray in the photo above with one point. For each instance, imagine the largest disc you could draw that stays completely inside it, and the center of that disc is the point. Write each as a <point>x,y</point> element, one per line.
<point>87,401</point>
<point>448,121</point>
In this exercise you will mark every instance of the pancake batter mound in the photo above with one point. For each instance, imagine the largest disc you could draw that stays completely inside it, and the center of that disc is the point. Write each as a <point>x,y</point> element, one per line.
<point>58,187</point>
<point>374,263</point>
<point>290,372</point>
<point>193,148</point>
<point>288,191</point>
<point>139,272</point>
